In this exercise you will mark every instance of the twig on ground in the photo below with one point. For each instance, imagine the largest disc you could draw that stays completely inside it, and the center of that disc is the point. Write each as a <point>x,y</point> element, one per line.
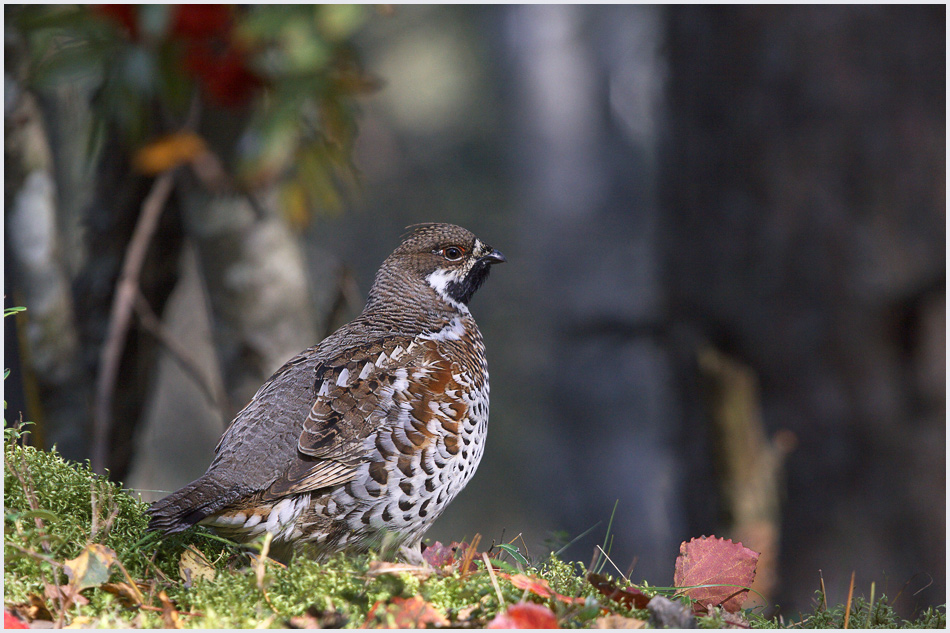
<point>37,556</point>
<point>121,315</point>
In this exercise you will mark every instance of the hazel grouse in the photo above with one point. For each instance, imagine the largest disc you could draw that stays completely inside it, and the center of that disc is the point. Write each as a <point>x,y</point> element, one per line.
<point>363,440</point>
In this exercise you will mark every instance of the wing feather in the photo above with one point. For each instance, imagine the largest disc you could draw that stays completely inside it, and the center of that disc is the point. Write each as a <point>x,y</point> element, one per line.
<point>355,399</point>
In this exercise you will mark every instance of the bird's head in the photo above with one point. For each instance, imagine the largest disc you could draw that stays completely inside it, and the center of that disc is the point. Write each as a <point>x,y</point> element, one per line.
<point>449,260</point>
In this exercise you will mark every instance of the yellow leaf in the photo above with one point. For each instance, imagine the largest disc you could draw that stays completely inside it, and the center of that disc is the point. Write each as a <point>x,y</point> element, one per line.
<point>295,206</point>
<point>168,152</point>
<point>193,566</point>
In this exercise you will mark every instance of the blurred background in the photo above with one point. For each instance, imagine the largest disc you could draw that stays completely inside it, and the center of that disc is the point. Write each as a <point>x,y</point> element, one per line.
<point>724,310</point>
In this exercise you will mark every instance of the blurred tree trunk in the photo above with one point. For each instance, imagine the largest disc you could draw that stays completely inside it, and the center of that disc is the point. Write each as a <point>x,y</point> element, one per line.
<point>256,280</point>
<point>805,190</point>
<point>590,89</point>
<point>57,388</point>
<point>71,210</point>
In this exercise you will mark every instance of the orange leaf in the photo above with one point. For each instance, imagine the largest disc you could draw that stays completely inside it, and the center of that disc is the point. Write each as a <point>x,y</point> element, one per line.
<point>169,612</point>
<point>168,152</point>
<point>405,613</point>
<point>715,561</point>
<point>525,615</point>
<point>539,587</point>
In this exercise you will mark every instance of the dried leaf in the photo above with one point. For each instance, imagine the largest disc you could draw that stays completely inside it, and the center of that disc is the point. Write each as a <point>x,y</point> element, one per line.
<point>405,613</point>
<point>618,622</point>
<point>450,556</point>
<point>64,593</point>
<point>379,568</point>
<point>539,587</point>
<point>316,618</point>
<point>90,568</point>
<point>169,612</point>
<point>715,561</point>
<point>168,152</point>
<point>128,595</point>
<point>193,566</point>
<point>439,555</point>
<point>81,622</point>
<point>465,613</point>
<point>525,615</point>
<point>631,596</point>
<point>34,609</point>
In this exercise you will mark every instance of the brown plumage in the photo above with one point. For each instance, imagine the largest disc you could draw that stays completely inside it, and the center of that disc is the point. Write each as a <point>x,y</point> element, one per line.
<point>364,439</point>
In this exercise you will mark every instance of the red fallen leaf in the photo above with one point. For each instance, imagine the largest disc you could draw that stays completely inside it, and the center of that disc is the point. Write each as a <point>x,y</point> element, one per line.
<point>715,561</point>
<point>439,555</point>
<point>10,621</point>
<point>631,596</point>
<point>525,615</point>
<point>406,613</point>
<point>539,587</point>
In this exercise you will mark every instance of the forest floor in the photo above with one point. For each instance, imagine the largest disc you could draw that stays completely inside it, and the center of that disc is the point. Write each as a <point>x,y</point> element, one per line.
<point>77,554</point>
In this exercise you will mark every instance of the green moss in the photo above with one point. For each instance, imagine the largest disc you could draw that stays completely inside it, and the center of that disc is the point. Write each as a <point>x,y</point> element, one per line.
<point>63,495</point>
<point>42,485</point>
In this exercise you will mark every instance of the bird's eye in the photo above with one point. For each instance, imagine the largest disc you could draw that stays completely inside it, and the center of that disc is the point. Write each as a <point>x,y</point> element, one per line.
<point>452,253</point>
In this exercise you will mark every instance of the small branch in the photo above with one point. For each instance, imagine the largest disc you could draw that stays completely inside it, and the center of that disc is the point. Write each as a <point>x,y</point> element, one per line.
<point>26,482</point>
<point>153,325</point>
<point>37,556</point>
<point>121,315</point>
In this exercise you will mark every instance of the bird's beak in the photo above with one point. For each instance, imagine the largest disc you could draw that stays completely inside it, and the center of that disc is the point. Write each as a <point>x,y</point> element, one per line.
<point>493,256</point>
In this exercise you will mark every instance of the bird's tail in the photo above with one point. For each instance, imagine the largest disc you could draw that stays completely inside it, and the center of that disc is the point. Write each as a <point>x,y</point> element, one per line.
<point>186,507</point>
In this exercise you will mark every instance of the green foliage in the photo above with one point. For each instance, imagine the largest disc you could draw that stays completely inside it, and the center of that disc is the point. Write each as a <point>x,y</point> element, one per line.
<point>286,75</point>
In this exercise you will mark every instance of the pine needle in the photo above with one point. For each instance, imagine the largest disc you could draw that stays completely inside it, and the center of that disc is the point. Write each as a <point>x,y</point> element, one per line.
<point>494,581</point>
<point>847,606</point>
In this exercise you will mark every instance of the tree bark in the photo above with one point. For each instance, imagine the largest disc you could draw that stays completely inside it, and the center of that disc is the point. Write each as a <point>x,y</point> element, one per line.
<point>255,277</point>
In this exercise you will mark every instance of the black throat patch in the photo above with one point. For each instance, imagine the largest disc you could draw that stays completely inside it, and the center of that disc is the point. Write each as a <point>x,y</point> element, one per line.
<point>462,291</point>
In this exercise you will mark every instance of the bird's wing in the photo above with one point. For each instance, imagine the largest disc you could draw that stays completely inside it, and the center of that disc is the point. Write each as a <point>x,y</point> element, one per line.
<point>357,396</point>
